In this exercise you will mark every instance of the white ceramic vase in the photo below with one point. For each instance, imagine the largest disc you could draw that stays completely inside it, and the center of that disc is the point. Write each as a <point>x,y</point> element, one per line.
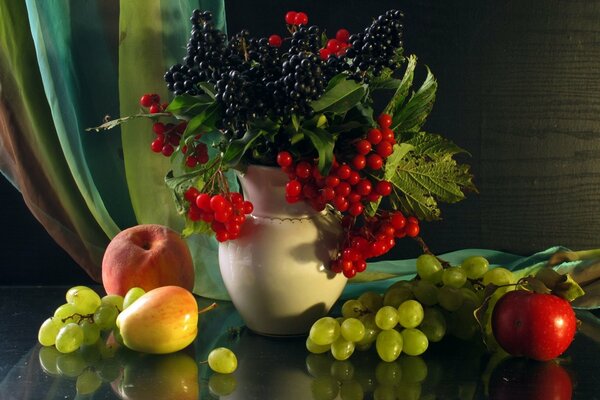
<point>276,272</point>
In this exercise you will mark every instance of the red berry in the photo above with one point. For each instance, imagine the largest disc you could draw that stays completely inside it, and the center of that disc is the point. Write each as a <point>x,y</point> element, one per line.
<point>332,181</point>
<point>343,172</point>
<point>293,188</point>
<point>360,265</point>
<point>356,209</point>
<point>147,100</point>
<point>236,198</point>
<point>340,203</point>
<point>336,266</point>
<point>398,220</point>
<point>354,178</point>
<point>384,149</point>
<point>248,207</point>
<point>354,197</point>
<point>374,161</point>
<point>167,150</point>
<point>155,108</point>
<point>384,188</point>
<point>364,187</point>
<point>157,144</point>
<point>203,202</point>
<point>333,45</point>
<point>275,41</point>
<point>384,120</point>
<point>191,161</point>
<point>222,216</point>
<point>342,35</point>
<point>301,19</point>
<point>359,162</point>
<point>218,203</point>
<point>324,53</point>
<point>412,230</point>
<point>373,196</point>
<point>191,194</point>
<point>374,136</point>
<point>387,135</point>
<point>350,273</point>
<point>343,189</point>
<point>290,17</point>
<point>327,193</point>
<point>284,159</point>
<point>158,128</point>
<point>303,169</point>
<point>363,147</point>
<point>222,236</point>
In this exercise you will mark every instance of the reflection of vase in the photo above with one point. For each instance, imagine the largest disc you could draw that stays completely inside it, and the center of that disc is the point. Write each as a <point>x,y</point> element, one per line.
<point>277,272</point>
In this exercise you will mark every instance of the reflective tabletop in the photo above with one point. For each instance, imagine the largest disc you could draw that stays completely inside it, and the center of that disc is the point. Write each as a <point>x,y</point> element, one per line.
<point>273,368</point>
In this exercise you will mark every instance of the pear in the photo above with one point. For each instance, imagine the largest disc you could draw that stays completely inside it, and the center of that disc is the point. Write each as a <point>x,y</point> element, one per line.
<point>164,320</point>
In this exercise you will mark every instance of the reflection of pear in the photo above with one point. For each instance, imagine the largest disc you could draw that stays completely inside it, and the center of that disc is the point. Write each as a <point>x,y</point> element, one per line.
<point>163,320</point>
<point>165,377</point>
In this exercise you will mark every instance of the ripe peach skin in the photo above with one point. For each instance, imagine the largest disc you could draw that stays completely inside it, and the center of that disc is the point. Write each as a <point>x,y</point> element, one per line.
<point>164,320</point>
<point>147,256</point>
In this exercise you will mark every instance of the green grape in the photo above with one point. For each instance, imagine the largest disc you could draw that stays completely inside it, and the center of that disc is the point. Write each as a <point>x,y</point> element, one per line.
<point>371,300</point>
<point>71,364</point>
<point>433,324</point>
<point>425,292</point>
<point>69,338</point>
<point>222,360</point>
<point>342,349</point>
<point>498,276</point>
<point>384,392</point>
<point>414,369</point>
<point>470,298</point>
<point>414,342</point>
<point>410,314</point>
<point>324,331</point>
<point>371,330</point>
<point>113,300</point>
<point>450,298</point>
<point>318,365</point>
<point>388,373</point>
<point>351,390</point>
<point>409,391</point>
<point>342,370</point>
<point>48,331</point>
<point>324,388</point>
<point>88,382</point>
<point>106,316</point>
<point>386,318</point>
<point>316,348</point>
<point>91,332</point>
<point>222,385</point>
<point>84,299</point>
<point>132,295</point>
<point>393,297</point>
<point>47,357</point>
<point>340,320</point>
<point>454,277</point>
<point>389,345</point>
<point>475,266</point>
<point>353,309</point>
<point>352,330</point>
<point>64,313</point>
<point>428,268</point>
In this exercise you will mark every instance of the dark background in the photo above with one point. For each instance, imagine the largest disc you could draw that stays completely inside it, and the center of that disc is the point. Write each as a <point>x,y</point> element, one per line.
<point>518,88</point>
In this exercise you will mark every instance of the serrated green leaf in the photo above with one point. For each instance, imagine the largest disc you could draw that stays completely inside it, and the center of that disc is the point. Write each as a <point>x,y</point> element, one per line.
<point>411,115</point>
<point>323,142</point>
<point>236,149</point>
<point>178,185</point>
<point>401,93</point>
<point>340,96</point>
<point>431,144</point>
<point>381,83</point>
<point>187,106</point>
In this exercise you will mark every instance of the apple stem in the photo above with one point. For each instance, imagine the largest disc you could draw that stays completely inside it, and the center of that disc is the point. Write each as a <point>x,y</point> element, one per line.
<point>207,308</point>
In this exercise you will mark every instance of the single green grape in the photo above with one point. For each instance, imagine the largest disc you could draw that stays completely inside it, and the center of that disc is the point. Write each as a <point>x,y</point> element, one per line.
<point>352,330</point>
<point>113,300</point>
<point>106,316</point>
<point>428,267</point>
<point>425,292</point>
<point>371,300</point>
<point>371,331</point>
<point>324,331</point>
<point>48,331</point>
<point>353,309</point>
<point>414,369</point>
<point>222,360</point>
<point>88,382</point>
<point>386,318</point>
<point>91,332</point>
<point>324,388</point>
<point>132,295</point>
<point>433,324</point>
<point>69,338</point>
<point>450,298</point>
<point>410,314</point>
<point>222,385</point>
<point>316,348</point>
<point>66,313</point>
<point>470,297</point>
<point>414,342</point>
<point>351,390</point>
<point>389,345</point>
<point>388,373</point>
<point>475,266</point>
<point>84,299</point>
<point>393,297</point>
<point>454,277</point>
<point>498,276</point>
<point>342,370</point>
<point>71,364</point>
<point>342,349</point>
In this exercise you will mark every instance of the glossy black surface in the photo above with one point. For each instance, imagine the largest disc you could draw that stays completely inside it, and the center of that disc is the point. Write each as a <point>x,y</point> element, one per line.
<point>271,368</point>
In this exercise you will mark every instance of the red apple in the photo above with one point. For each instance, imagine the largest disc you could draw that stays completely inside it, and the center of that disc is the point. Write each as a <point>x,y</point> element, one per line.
<point>147,256</point>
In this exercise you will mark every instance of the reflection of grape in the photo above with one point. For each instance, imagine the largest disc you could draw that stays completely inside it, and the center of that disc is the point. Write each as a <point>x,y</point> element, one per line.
<point>71,365</point>
<point>324,388</point>
<point>222,384</point>
<point>47,358</point>
<point>88,382</point>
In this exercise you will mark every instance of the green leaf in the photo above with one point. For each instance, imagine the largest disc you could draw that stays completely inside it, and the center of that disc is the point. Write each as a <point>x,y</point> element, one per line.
<point>208,88</point>
<point>431,144</point>
<point>402,91</point>
<point>295,122</point>
<point>187,106</point>
<point>340,96</point>
<point>412,115</point>
<point>195,227</point>
<point>324,143</point>
<point>178,185</point>
<point>384,83</point>
<point>236,148</point>
<point>205,121</point>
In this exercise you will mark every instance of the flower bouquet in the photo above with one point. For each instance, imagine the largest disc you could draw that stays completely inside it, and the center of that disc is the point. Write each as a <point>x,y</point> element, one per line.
<point>304,102</point>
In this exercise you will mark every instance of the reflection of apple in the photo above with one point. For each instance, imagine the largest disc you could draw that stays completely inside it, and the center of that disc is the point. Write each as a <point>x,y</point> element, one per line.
<point>147,256</point>
<point>169,376</point>
<point>517,378</point>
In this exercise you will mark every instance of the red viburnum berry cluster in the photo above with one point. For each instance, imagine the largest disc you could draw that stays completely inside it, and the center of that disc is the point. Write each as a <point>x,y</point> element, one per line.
<point>151,101</point>
<point>336,46</point>
<point>196,153</point>
<point>224,212</point>
<point>167,138</point>
<point>296,18</point>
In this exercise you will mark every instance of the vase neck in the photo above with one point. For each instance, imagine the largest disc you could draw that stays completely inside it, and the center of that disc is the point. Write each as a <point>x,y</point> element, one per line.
<point>265,188</point>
